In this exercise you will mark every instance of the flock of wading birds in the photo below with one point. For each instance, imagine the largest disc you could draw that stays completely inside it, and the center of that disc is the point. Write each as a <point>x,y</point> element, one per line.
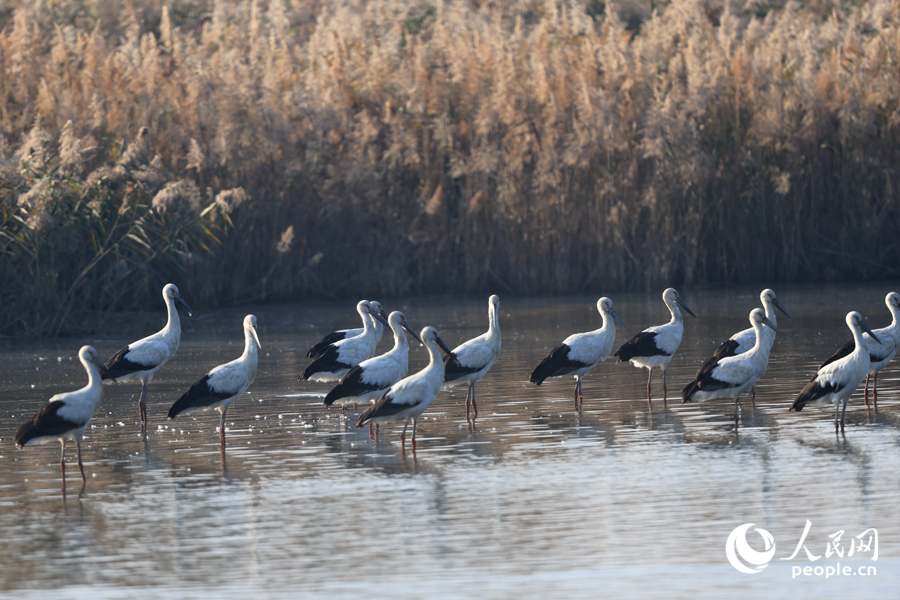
<point>346,357</point>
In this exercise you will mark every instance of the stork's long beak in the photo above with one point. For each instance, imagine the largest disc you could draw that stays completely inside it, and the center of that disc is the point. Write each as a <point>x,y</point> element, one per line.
<point>765,321</point>
<point>185,305</point>
<point>443,346</point>
<point>616,316</point>
<point>869,331</point>
<point>681,303</point>
<point>375,314</point>
<point>778,305</point>
<point>255,337</point>
<point>411,332</point>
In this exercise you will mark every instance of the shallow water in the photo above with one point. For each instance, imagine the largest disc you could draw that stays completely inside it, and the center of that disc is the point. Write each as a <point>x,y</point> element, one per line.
<point>535,500</point>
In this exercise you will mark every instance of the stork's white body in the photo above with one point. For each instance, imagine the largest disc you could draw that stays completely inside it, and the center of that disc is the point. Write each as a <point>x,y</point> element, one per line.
<point>469,362</point>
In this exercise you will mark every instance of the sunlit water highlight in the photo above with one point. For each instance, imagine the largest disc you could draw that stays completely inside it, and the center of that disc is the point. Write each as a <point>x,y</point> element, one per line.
<point>535,500</point>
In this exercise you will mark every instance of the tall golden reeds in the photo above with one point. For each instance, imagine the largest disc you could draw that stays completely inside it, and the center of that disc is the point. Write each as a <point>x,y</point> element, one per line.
<point>418,147</point>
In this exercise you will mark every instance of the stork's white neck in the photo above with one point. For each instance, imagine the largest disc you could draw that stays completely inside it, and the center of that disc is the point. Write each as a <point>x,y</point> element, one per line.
<point>435,362</point>
<point>770,312</point>
<point>400,341</point>
<point>173,325</point>
<point>94,381</point>
<point>369,323</point>
<point>676,312</point>
<point>761,342</point>
<point>251,350</point>
<point>494,321</point>
<point>895,317</point>
<point>607,320</point>
<point>859,341</point>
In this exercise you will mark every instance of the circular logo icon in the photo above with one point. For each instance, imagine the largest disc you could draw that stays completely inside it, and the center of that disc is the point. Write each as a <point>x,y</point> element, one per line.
<point>740,554</point>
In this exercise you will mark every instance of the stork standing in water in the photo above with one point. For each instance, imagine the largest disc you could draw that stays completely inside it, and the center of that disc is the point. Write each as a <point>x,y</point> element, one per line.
<point>469,362</point>
<point>335,360</point>
<point>731,376</point>
<point>342,334</point>
<point>835,381</point>
<point>744,340</point>
<point>143,358</point>
<point>368,380</point>
<point>880,353</point>
<point>408,398</point>
<point>655,346</point>
<point>67,415</point>
<point>219,388</point>
<point>580,352</point>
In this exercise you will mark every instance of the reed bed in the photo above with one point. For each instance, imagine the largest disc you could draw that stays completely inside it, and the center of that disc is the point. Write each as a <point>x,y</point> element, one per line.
<point>282,149</point>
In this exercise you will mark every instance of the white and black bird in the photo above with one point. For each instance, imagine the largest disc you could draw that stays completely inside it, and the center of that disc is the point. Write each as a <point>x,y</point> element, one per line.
<point>655,346</point>
<point>66,415</point>
<point>731,376</point>
<point>836,381</point>
<point>742,341</point>
<point>218,389</point>
<point>143,358</point>
<point>880,353</point>
<point>469,362</point>
<point>368,380</point>
<point>336,359</point>
<point>580,352</point>
<point>408,398</point>
<point>335,336</point>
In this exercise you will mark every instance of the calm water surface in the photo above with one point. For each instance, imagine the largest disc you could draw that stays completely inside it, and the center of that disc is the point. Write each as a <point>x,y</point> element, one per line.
<point>535,500</point>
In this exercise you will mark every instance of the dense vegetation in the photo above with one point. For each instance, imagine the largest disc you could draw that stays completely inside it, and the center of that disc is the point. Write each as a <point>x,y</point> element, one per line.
<point>287,149</point>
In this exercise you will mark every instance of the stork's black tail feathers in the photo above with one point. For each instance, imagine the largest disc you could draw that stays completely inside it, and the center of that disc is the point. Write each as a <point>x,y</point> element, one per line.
<point>45,423</point>
<point>689,390</point>
<point>322,345</point>
<point>811,392</point>
<point>557,363</point>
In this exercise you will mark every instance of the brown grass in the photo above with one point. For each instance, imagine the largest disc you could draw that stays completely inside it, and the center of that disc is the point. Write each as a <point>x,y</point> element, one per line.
<point>388,148</point>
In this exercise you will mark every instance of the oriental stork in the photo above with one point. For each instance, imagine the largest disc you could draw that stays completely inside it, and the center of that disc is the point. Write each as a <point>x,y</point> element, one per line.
<point>334,361</point>
<point>143,358</point>
<point>731,376</point>
<point>66,415</point>
<point>580,352</point>
<point>469,362</point>
<point>335,336</point>
<point>835,381</point>
<point>742,341</point>
<point>655,346</point>
<point>219,388</point>
<point>408,398</point>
